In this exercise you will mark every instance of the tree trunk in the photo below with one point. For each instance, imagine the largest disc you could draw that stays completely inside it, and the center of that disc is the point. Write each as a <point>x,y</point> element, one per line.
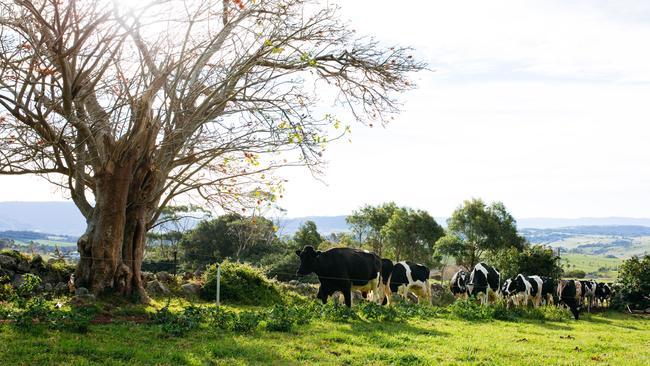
<point>112,248</point>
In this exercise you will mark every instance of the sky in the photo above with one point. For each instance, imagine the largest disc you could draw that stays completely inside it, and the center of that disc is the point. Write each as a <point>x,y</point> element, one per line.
<point>543,105</point>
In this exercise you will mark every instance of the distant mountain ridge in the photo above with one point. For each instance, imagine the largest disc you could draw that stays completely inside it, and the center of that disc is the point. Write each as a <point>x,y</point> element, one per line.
<point>63,218</point>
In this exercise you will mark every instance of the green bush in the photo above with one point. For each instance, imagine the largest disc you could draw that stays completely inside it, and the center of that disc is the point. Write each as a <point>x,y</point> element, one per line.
<point>247,321</point>
<point>221,318</point>
<point>634,277</point>
<point>373,311</point>
<point>471,310</point>
<point>575,273</point>
<point>240,284</point>
<point>279,318</point>
<point>178,324</point>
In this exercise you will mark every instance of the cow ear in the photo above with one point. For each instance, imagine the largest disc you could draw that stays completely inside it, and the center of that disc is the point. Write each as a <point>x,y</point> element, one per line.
<point>298,253</point>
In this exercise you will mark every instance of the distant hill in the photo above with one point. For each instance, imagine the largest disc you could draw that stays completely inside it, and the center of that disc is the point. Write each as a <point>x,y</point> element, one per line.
<point>61,218</point>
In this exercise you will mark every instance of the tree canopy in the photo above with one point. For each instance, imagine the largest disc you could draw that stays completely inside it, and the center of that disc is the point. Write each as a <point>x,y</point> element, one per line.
<point>476,229</point>
<point>129,107</point>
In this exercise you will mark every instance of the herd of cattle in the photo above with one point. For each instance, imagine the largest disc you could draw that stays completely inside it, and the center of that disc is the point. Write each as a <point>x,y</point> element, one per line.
<point>348,269</point>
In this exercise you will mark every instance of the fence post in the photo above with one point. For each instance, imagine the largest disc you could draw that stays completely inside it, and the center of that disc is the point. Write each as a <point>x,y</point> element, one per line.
<point>218,284</point>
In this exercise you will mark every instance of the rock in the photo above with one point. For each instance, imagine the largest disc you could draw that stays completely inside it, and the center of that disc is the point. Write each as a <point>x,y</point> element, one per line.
<point>7,261</point>
<point>47,287</point>
<point>188,276</point>
<point>198,274</point>
<point>147,276</point>
<point>61,288</point>
<point>80,300</point>
<point>81,291</point>
<point>17,280</point>
<point>22,266</point>
<point>191,289</point>
<point>157,288</point>
<point>294,282</point>
<point>164,277</point>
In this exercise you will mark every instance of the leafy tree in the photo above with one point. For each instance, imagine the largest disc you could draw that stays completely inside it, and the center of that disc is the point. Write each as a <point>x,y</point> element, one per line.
<point>476,229</point>
<point>128,113</point>
<point>367,223</point>
<point>307,234</point>
<point>230,236</point>
<point>634,277</point>
<point>411,234</point>
<point>532,260</point>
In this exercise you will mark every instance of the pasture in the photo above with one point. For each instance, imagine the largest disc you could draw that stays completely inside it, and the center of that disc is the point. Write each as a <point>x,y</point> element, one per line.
<point>605,338</point>
<point>603,267</point>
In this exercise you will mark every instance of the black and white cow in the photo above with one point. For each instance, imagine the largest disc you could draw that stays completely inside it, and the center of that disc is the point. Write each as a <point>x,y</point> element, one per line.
<point>589,293</point>
<point>603,294</point>
<point>505,292</point>
<point>384,288</point>
<point>482,280</point>
<point>569,293</point>
<point>536,293</point>
<point>409,277</point>
<point>458,284</point>
<point>519,290</point>
<point>341,269</point>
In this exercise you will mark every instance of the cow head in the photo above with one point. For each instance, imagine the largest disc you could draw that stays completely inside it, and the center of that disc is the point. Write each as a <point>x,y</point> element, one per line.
<point>462,280</point>
<point>308,260</point>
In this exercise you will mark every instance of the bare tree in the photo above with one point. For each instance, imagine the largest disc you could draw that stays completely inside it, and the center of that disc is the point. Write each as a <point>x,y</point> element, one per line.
<point>128,107</point>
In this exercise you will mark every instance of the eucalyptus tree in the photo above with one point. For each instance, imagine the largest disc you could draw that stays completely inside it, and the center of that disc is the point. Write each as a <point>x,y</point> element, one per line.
<point>129,106</point>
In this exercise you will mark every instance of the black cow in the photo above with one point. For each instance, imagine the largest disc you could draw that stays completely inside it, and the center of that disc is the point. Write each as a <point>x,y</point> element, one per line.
<point>548,290</point>
<point>458,284</point>
<point>386,271</point>
<point>603,294</point>
<point>569,293</point>
<point>483,279</point>
<point>409,277</point>
<point>341,269</point>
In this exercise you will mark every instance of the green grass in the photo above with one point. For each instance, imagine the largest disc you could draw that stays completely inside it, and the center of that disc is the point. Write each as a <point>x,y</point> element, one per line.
<point>612,338</point>
<point>592,263</point>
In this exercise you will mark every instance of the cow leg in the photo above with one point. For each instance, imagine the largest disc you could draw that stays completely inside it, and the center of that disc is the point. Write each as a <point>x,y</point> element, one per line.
<point>322,294</point>
<point>347,293</point>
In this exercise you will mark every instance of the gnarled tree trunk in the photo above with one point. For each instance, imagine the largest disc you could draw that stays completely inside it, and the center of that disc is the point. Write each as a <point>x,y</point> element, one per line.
<point>112,247</point>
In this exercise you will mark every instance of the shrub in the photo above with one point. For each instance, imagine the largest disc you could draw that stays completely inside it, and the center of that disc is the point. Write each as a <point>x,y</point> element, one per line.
<point>374,311</point>
<point>575,273</point>
<point>634,276</point>
<point>240,284</point>
<point>222,318</point>
<point>178,324</point>
<point>279,319</point>
<point>471,310</point>
<point>338,313</point>
<point>247,321</point>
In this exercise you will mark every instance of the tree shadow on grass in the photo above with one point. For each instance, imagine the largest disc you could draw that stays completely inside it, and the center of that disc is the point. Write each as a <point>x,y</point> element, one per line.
<point>383,328</point>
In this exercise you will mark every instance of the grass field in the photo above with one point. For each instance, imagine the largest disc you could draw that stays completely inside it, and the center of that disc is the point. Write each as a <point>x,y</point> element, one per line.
<point>613,339</point>
<point>592,263</point>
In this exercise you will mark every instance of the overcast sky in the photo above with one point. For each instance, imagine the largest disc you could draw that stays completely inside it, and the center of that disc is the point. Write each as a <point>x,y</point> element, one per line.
<point>543,105</point>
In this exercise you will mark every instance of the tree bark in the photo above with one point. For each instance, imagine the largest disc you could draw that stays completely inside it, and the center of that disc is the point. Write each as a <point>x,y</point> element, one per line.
<point>112,248</point>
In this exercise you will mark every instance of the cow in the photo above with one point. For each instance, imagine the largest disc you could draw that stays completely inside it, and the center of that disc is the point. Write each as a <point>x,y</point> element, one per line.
<point>409,277</point>
<point>569,293</point>
<point>505,292</point>
<point>548,290</point>
<point>603,294</point>
<point>341,269</point>
<point>519,290</point>
<point>384,288</point>
<point>536,293</point>
<point>458,284</point>
<point>588,293</point>
<point>482,280</point>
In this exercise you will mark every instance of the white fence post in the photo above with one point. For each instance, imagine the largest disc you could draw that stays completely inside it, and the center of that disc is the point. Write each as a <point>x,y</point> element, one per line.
<point>218,284</point>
